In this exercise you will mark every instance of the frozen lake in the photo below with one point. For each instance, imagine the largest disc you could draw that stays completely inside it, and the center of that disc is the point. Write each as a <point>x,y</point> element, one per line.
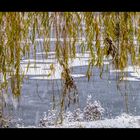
<point>38,89</point>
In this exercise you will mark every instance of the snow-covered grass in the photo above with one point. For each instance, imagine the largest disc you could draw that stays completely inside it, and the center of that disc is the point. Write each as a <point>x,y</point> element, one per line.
<point>122,121</point>
<point>89,117</point>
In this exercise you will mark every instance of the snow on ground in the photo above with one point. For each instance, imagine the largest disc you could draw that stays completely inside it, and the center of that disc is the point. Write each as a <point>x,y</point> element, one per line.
<point>40,71</point>
<point>106,63</point>
<point>39,61</point>
<point>78,75</point>
<point>57,76</point>
<point>128,69</point>
<point>123,121</point>
<point>134,73</point>
<point>43,53</point>
<point>42,67</point>
<point>130,79</point>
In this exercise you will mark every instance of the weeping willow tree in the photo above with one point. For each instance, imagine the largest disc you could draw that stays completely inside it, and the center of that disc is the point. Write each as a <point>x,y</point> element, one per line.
<point>102,34</point>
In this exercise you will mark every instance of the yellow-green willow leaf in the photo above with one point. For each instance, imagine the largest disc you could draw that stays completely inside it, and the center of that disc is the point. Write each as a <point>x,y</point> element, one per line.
<point>19,30</point>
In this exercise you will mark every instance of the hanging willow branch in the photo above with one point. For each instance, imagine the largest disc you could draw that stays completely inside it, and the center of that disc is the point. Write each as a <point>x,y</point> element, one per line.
<point>19,30</point>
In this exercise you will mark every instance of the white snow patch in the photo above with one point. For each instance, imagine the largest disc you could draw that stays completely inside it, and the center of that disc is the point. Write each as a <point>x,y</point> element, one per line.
<point>39,61</point>
<point>41,53</point>
<point>78,75</point>
<point>57,76</point>
<point>78,62</point>
<point>44,78</point>
<point>130,79</point>
<point>134,71</point>
<point>82,55</point>
<point>113,71</point>
<point>106,63</point>
<point>128,69</point>
<point>136,74</point>
<point>44,69</point>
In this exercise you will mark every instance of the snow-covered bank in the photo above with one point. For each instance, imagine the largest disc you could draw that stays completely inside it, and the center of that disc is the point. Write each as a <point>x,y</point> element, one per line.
<point>123,121</point>
<point>89,117</point>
